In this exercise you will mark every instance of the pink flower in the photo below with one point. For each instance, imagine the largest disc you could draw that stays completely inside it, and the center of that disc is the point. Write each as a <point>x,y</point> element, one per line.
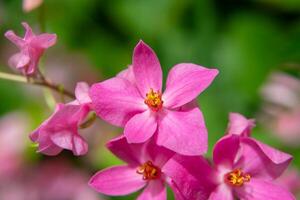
<point>31,49</point>
<point>149,167</point>
<point>246,169</point>
<point>60,131</point>
<point>29,5</point>
<point>240,125</point>
<point>134,100</point>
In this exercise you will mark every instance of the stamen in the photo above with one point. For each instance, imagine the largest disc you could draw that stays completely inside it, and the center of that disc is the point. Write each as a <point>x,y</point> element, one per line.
<point>149,171</point>
<point>237,178</point>
<point>153,100</point>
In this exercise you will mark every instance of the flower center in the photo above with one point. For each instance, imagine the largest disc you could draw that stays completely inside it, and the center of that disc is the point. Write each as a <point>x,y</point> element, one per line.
<point>237,178</point>
<point>149,171</point>
<point>153,100</point>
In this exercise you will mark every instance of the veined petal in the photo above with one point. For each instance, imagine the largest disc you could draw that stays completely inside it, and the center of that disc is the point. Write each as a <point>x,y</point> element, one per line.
<point>44,40</point>
<point>257,189</point>
<point>222,192</point>
<point>239,125</point>
<point>140,127</point>
<point>191,177</point>
<point>71,141</point>
<point>118,180</point>
<point>155,190</point>
<point>116,100</point>
<point>260,160</point>
<point>146,68</point>
<point>50,150</point>
<point>128,75</point>
<point>225,150</point>
<point>185,82</point>
<point>183,132</point>
<point>131,153</point>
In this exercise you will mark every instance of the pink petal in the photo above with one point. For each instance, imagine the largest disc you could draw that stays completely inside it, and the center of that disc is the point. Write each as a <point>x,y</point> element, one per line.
<point>191,177</point>
<point>240,125</point>
<point>140,127</point>
<point>29,5</point>
<point>118,180</point>
<point>116,100</point>
<point>19,60</point>
<point>82,93</point>
<point>130,153</point>
<point>71,141</point>
<point>146,68</point>
<point>225,150</point>
<point>185,82</point>
<point>50,150</point>
<point>19,42</point>
<point>222,192</point>
<point>127,74</point>
<point>260,160</point>
<point>28,31</point>
<point>183,132</point>
<point>44,40</point>
<point>257,189</point>
<point>155,190</point>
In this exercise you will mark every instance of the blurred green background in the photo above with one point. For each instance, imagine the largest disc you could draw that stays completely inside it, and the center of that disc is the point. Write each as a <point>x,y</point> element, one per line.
<point>246,40</point>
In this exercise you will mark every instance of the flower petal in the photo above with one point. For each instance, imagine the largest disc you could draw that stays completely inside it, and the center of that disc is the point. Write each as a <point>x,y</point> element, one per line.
<point>183,132</point>
<point>146,68</point>
<point>82,93</point>
<point>130,153</point>
<point>239,125</point>
<point>260,160</point>
<point>140,127</point>
<point>19,60</point>
<point>185,82</point>
<point>155,190</point>
<point>28,31</point>
<point>118,180</point>
<point>191,177</point>
<point>225,150</point>
<point>222,192</point>
<point>50,150</point>
<point>44,40</point>
<point>116,100</point>
<point>127,74</point>
<point>257,189</point>
<point>19,42</point>
<point>71,141</point>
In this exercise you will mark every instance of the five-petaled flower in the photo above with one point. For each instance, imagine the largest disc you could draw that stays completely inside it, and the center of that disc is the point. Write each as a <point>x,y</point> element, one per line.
<point>134,100</point>
<point>60,131</point>
<point>148,166</point>
<point>31,49</point>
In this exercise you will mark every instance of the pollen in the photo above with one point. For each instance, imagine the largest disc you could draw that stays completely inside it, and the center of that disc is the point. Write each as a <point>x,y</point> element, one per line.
<point>237,178</point>
<point>153,100</point>
<point>149,171</point>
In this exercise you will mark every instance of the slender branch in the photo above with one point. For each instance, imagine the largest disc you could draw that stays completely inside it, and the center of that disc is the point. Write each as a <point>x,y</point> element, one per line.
<point>41,82</point>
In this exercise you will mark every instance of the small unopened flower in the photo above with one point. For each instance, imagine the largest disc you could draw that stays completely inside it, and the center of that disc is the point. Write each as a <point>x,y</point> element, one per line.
<point>29,5</point>
<point>134,100</point>
<point>148,166</point>
<point>60,131</point>
<point>31,48</point>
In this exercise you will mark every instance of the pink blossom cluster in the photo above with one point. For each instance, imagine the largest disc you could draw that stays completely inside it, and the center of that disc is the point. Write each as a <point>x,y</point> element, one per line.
<point>165,136</point>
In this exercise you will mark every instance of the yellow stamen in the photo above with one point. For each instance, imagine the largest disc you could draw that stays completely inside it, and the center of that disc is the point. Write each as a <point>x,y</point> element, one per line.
<point>237,178</point>
<point>153,100</point>
<point>149,171</point>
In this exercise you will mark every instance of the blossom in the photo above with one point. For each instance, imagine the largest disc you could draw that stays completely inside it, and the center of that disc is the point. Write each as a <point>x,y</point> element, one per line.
<point>60,131</point>
<point>246,168</point>
<point>29,5</point>
<point>31,49</point>
<point>148,166</point>
<point>134,100</point>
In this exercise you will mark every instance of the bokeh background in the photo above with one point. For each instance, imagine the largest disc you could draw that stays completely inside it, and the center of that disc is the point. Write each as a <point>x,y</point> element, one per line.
<point>255,44</point>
